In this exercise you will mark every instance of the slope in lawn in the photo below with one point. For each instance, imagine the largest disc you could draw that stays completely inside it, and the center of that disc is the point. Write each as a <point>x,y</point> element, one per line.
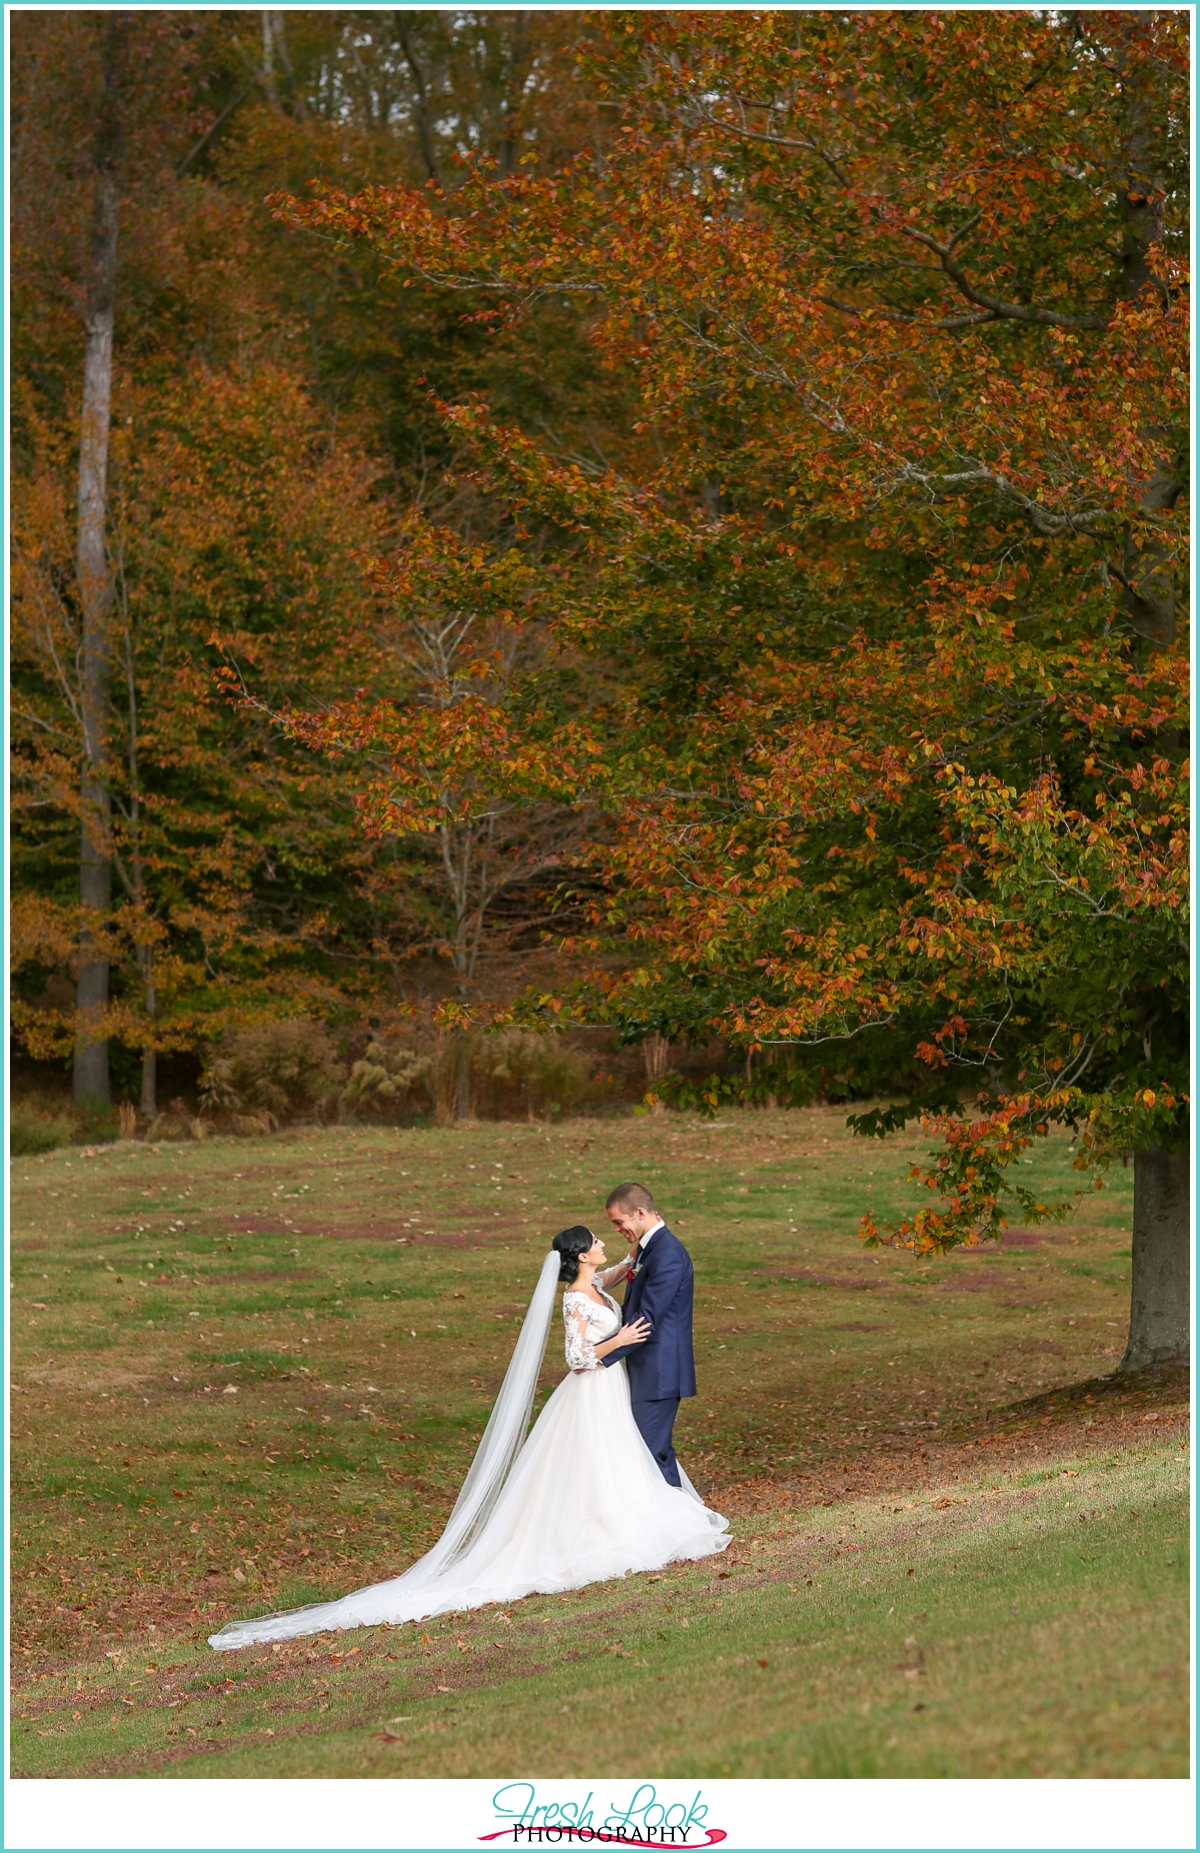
<point>251,1374</point>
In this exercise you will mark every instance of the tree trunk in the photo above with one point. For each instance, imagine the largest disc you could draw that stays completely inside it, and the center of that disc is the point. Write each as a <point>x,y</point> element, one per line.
<point>149,1084</point>
<point>656,1053</point>
<point>1159,1325</point>
<point>518,70</point>
<point>422,114</point>
<point>268,58</point>
<point>95,586</point>
<point>149,1053</point>
<point>462,1101</point>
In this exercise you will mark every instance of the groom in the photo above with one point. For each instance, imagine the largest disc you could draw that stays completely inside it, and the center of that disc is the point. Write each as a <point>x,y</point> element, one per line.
<point>662,1370</point>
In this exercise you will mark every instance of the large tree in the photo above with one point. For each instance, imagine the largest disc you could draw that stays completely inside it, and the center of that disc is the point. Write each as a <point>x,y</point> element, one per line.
<point>894,615</point>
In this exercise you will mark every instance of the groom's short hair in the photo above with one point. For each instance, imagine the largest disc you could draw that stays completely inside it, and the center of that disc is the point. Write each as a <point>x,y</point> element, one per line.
<point>629,1197</point>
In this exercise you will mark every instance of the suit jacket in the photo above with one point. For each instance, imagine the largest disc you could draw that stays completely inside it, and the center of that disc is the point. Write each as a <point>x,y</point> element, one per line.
<point>661,1291</point>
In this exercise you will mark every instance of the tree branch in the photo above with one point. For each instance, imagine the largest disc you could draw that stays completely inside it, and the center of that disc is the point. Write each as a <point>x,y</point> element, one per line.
<point>1003,311</point>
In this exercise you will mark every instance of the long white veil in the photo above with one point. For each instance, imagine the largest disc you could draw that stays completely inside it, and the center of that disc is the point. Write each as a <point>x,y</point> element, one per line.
<point>501,1440</point>
<point>407,1596</point>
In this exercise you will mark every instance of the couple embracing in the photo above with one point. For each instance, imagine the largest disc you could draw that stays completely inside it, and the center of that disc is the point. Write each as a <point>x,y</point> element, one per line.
<point>594,1489</point>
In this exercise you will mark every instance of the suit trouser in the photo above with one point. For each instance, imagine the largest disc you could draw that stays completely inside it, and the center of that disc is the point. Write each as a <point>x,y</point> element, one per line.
<point>655,1421</point>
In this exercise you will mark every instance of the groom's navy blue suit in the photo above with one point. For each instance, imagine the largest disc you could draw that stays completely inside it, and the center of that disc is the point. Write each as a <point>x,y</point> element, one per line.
<point>662,1370</point>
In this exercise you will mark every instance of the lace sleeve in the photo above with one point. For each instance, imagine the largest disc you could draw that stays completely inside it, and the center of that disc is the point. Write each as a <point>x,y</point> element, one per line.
<point>581,1353</point>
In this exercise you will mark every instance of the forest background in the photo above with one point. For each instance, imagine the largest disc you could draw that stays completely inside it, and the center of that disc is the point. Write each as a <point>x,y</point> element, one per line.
<point>274,424</point>
<point>663,571</point>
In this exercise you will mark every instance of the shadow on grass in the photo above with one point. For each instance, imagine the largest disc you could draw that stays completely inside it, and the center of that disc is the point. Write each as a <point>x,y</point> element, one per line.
<point>1167,1384</point>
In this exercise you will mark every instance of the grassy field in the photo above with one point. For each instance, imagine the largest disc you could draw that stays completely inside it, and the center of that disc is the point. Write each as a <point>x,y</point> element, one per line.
<point>958,1551</point>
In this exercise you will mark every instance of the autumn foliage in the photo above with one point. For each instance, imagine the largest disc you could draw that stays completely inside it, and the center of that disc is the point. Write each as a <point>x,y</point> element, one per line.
<point>674,522</point>
<point>259,427</point>
<point>883,589</point>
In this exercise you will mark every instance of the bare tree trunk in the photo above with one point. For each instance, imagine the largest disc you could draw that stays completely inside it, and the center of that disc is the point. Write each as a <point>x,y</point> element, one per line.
<point>445,1075</point>
<point>461,860</point>
<point>149,1101</point>
<point>422,114</point>
<point>518,71</point>
<point>95,584</point>
<point>656,1053</point>
<point>275,44</point>
<point>268,57</point>
<point>1159,1325</point>
<point>143,945</point>
<point>462,1101</point>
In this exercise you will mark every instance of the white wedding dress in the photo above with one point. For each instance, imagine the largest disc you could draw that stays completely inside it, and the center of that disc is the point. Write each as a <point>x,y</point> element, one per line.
<point>580,1501</point>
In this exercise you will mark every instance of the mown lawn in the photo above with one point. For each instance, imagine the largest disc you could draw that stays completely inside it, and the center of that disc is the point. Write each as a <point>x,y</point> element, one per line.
<point>251,1373</point>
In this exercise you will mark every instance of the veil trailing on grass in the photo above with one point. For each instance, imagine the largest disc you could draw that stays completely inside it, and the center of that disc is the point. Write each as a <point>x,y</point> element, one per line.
<point>414,1594</point>
<point>507,1425</point>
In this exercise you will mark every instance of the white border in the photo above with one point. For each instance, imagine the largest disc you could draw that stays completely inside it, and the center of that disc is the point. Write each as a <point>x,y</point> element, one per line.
<point>447,1815</point>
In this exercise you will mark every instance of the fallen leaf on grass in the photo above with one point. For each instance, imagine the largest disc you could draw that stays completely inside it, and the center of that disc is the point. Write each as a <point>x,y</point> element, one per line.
<point>388,1736</point>
<point>764,1663</point>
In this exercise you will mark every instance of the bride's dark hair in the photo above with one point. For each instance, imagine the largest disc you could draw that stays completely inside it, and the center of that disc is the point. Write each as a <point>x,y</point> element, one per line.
<point>569,1244</point>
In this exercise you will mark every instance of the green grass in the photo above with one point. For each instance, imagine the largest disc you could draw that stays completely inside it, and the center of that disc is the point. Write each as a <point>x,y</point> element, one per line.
<point>1031,1627</point>
<point>251,1374</point>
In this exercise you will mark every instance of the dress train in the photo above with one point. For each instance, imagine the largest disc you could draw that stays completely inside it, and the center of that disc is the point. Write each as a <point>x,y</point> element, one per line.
<point>583,1502</point>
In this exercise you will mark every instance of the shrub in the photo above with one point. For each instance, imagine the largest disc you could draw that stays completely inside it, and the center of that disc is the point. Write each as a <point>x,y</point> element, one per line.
<point>382,1080</point>
<point>31,1133</point>
<point>252,1125</point>
<point>540,1074</point>
<point>179,1122</point>
<point>282,1069</point>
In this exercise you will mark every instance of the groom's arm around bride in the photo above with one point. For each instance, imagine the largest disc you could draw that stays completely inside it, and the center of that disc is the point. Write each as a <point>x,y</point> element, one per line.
<point>662,1370</point>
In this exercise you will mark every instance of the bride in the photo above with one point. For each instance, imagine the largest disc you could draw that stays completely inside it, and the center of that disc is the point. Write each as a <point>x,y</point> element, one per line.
<point>582,1500</point>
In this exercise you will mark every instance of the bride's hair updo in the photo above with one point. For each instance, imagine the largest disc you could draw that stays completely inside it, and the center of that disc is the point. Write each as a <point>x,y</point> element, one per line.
<point>569,1244</point>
